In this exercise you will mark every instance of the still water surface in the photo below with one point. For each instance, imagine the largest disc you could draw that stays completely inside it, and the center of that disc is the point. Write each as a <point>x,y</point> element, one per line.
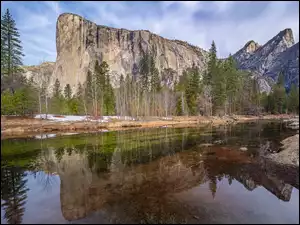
<point>165,175</point>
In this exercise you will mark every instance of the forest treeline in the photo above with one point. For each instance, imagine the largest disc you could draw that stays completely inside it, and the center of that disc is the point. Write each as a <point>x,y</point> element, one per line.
<point>220,89</point>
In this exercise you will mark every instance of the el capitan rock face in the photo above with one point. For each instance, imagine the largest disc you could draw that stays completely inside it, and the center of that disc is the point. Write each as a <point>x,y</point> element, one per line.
<point>80,43</point>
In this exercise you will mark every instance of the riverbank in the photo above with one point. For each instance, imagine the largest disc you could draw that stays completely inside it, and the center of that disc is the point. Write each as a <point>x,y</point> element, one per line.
<point>12,127</point>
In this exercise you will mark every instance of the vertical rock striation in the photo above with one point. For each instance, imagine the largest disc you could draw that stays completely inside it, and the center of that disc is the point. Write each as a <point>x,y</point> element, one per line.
<point>80,43</point>
<point>280,54</point>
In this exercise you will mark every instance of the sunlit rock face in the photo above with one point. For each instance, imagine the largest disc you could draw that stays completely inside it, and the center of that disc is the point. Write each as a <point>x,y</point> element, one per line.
<point>280,54</point>
<point>80,43</point>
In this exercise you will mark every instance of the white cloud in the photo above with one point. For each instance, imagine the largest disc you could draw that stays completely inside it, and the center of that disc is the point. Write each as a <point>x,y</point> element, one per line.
<point>195,22</point>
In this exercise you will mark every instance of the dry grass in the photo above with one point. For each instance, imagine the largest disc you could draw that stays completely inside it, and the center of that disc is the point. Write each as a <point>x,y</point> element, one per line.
<point>25,126</point>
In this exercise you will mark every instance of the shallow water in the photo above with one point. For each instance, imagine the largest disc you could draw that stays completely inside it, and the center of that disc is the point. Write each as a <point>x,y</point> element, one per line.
<point>166,175</point>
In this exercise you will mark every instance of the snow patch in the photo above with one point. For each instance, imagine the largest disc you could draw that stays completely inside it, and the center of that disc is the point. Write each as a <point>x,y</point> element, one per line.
<point>69,133</point>
<point>167,118</point>
<point>44,136</point>
<point>68,118</point>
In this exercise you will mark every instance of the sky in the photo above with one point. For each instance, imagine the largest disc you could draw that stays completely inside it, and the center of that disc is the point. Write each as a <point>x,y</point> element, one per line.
<point>229,24</point>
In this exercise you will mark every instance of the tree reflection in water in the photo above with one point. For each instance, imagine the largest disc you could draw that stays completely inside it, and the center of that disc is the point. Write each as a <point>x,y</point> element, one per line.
<point>137,171</point>
<point>13,193</point>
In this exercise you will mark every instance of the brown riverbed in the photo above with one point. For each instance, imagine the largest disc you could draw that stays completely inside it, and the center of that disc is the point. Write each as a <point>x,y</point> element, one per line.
<point>25,126</point>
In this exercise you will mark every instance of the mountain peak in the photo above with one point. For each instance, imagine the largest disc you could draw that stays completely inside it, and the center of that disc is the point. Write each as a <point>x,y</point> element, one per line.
<point>288,36</point>
<point>251,46</point>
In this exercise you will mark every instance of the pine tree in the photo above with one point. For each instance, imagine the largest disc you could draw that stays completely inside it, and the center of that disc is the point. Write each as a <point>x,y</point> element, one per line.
<point>68,92</point>
<point>11,50</point>
<point>155,81</point>
<point>88,91</point>
<point>56,88</point>
<point>193,89</point>
<point>144,69</point>
<point>279,94</point>
<point>212,65</point>
<point>7,103</point>
<point>80,99</point>
<point>57,105</point>
<point>218,82</point>
<point>109,97</point>
<point>233,82</point>
<point>180,89</point>
<point>293,99</point>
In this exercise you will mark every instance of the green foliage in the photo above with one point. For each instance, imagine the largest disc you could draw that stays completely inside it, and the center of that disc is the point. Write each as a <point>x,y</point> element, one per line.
<point>149,73</point>
<point>11,49</point>
<point>109,97</point>
<point>80,98</point>
<point>88,88</point>
<point>68,92</point>
<point>212,65</point>
<point>22,102</point>
<point>73,106</point>
<point>193,89</point>
<point>7,103</point>
<point>293,99</point>
<point>218,82</point>
<point>278,100</point>
<point>56,89</point>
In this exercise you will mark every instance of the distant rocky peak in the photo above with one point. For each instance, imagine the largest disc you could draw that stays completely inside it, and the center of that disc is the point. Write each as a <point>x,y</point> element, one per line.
<point>251,46</point>
<point>284,39</point>
<point>280,54</point>
<point>288,37</point>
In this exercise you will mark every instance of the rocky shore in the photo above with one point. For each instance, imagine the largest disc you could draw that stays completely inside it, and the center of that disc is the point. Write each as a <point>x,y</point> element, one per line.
<point>289,154</point>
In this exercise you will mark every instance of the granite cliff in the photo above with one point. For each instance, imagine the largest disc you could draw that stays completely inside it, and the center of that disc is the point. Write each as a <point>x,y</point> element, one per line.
<point>80,43</point>
<point>266,61</point>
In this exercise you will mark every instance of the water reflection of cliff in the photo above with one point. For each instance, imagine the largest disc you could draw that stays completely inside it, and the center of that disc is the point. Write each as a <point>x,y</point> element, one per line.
<point>94,181</point>
<point>138,170</point>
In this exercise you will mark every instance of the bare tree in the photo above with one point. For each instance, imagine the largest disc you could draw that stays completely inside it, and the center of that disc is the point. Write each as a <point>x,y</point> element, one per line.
<point>42,81</point>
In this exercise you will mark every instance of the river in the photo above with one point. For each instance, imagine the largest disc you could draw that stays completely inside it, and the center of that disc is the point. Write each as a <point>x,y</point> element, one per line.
<point>159,175</point>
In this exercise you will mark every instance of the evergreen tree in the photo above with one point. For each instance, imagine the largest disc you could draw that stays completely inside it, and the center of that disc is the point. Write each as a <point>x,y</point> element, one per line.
<point>212,65</point>
<point>233,82</point>
<point>80,99</point>
<point>88,92</point>
<point>7,103</point>
<point>68,92</point>
<point>144,69</point>
<point>180,89</point>
<point>56,89</point>
<point>109,97</point>
<point>279,94</point>
<point>155,81</point>
<point>57,101</point>
<point>293,99</point>
<point>218,82</point>
<point>193,89</point>
<point>11,50</point>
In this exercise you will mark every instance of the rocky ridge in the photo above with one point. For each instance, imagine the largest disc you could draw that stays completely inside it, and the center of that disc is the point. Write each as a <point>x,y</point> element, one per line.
<point>81,42</point>
<point>265,62</point>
